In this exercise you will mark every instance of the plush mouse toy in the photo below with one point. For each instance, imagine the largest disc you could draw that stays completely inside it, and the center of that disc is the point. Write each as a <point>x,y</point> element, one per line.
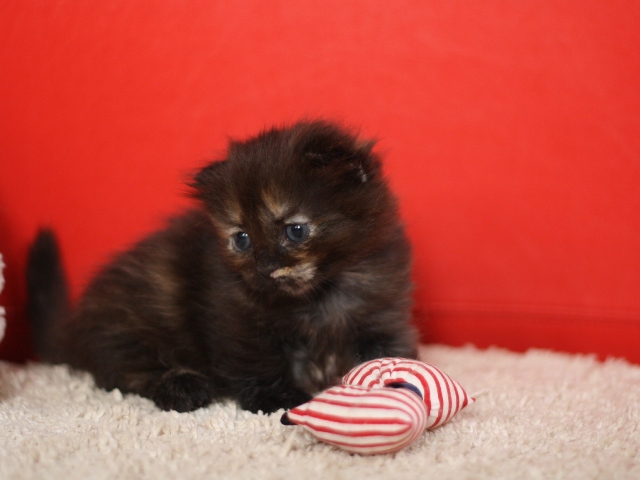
<point>382,406</point>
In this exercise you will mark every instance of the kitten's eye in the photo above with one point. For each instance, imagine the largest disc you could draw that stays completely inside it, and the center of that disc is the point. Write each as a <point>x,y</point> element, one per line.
<point>242,241</point>
<point>297,232</point>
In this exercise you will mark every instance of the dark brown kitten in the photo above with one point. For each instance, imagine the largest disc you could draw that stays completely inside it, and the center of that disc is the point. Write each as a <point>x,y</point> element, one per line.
<point>294,269</point>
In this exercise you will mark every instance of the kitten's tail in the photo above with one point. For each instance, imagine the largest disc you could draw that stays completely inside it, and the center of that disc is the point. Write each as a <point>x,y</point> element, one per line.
<point>47,293</point>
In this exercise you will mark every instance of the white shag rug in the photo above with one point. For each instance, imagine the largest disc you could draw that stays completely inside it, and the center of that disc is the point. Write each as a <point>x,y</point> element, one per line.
<point>538,415</point>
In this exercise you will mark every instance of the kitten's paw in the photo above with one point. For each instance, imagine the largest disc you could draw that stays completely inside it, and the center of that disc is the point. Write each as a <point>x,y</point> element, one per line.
<point>268,401</point>
<point>183,390</point>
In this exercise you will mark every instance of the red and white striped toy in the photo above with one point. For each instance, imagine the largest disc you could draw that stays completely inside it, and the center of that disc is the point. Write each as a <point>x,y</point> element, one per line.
<point>442,395</point>
<point>363,420</point>
<point>382,406</point>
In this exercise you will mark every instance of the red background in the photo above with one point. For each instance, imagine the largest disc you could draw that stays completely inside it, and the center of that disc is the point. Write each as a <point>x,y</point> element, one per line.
<point>511,132</point>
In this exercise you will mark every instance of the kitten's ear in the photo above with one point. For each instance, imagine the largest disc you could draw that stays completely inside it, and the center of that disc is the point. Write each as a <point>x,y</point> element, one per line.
<point>207,179</point>
<point>339,154</point>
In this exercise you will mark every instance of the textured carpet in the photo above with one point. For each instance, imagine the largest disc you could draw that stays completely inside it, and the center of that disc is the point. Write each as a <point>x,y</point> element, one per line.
<point>538,415</point>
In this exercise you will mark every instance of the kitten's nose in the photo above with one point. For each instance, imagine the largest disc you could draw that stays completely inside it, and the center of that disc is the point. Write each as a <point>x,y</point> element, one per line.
<point>266,265</point>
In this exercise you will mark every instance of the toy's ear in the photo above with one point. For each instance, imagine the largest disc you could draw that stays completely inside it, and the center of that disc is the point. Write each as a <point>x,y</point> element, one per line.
<point>284,420</point>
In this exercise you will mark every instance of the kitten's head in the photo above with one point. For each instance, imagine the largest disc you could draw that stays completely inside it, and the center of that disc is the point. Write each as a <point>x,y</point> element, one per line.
<point>296,206</point>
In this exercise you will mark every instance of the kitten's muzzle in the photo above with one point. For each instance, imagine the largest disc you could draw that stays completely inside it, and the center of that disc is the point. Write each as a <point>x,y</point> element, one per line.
<point>266,266</point>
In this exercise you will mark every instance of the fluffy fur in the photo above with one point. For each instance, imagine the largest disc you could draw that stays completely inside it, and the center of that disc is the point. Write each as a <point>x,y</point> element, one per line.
<point>294,268</point>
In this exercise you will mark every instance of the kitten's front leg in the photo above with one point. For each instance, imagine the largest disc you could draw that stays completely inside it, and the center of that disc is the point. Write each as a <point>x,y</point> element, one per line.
<point>132,367</point>
<point>182,390</point>
<point>178,388</point>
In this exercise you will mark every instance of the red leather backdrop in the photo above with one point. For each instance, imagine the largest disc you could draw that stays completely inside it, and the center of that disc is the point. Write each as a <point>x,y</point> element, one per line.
<point>511,132</point>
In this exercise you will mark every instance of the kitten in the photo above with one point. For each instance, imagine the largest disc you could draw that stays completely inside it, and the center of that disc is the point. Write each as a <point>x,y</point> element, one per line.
<point>293,269</point>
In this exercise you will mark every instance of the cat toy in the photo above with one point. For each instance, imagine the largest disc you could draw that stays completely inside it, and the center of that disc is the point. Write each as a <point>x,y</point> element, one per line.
<point>382,406</point>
